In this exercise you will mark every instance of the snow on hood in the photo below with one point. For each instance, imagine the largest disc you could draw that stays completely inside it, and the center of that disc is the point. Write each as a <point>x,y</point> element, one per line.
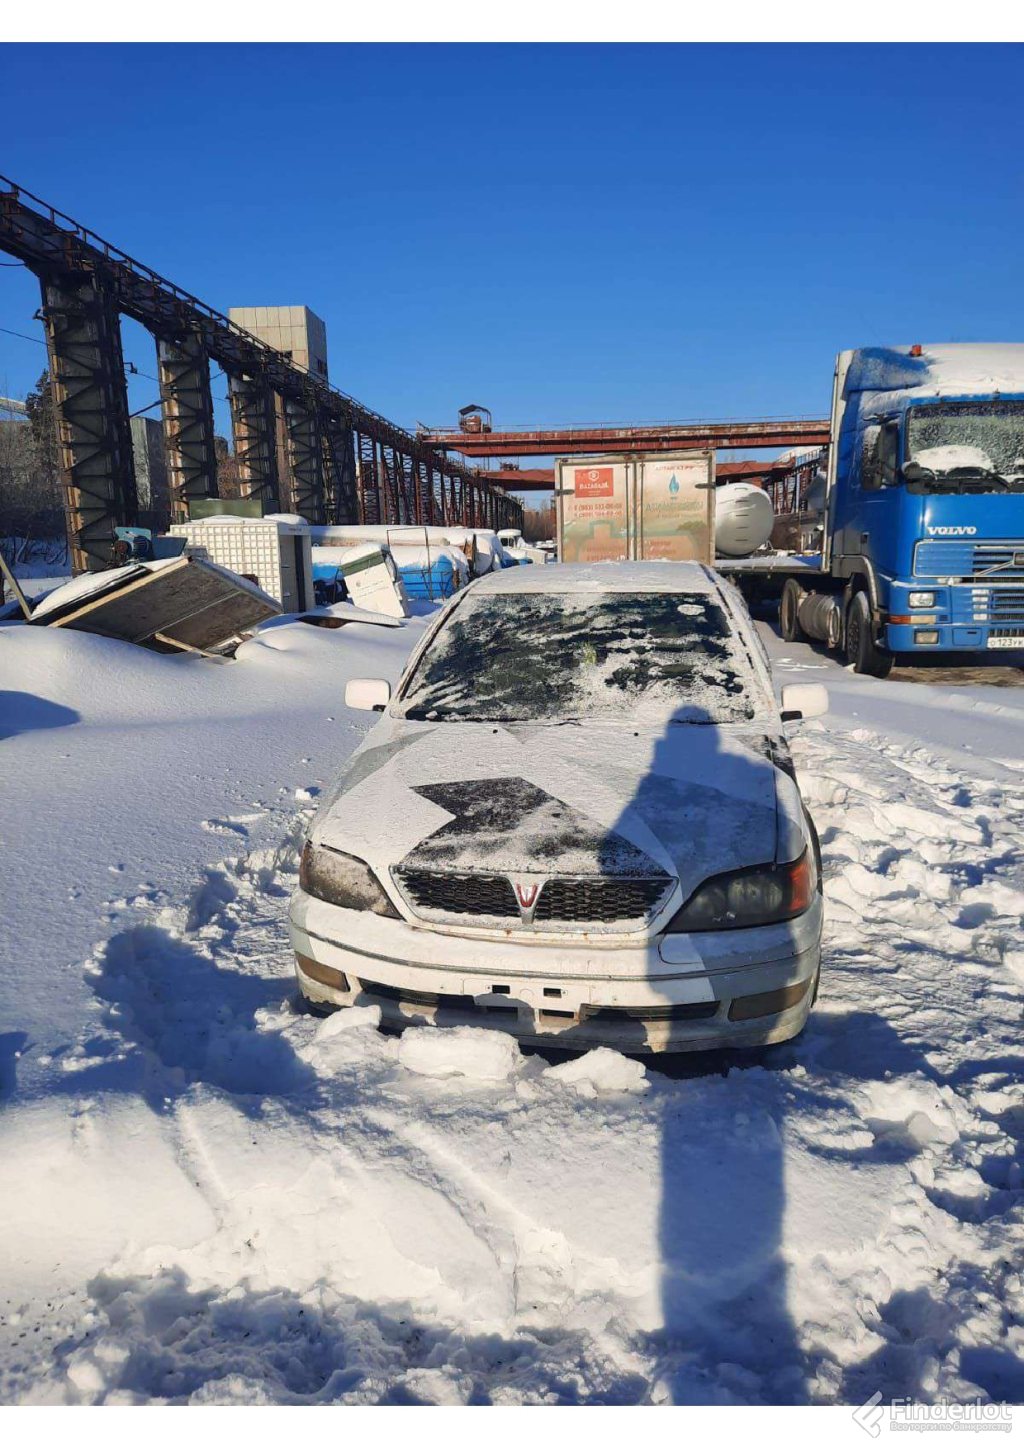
<point>572,800</point>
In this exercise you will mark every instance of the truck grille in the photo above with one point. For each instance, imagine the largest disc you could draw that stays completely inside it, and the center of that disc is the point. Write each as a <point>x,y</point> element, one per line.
<point>964,558</point>
<point>989,605</point>
<point>593,900</point>
<point>1006,605</point>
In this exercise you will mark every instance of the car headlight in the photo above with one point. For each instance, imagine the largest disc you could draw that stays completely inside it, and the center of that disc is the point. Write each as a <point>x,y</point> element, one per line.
<point>921,600</point>
<point>761,895</point>
<point>343,880</point>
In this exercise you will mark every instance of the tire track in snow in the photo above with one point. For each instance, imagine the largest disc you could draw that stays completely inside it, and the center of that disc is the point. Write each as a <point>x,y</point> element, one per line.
<point>911,1063</point>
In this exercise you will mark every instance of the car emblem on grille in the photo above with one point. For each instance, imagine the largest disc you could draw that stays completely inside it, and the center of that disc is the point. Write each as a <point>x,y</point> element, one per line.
<point>526,895</point>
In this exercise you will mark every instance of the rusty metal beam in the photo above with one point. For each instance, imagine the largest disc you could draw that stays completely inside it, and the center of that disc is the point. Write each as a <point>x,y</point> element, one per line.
<point>540,480</point>
<point>83,338</point>
<point>187,411</point>
<point>552,442</point>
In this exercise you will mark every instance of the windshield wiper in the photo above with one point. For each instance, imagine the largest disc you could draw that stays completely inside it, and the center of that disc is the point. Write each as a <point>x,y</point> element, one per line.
<point>988,475</point>
<point>948,481</point>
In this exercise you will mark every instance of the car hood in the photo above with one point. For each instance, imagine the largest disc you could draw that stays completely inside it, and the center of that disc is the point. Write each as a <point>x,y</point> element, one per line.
<point>565,800</point>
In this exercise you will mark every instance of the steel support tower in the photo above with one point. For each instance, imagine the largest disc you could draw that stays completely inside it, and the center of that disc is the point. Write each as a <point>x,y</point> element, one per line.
<point>347,460</point>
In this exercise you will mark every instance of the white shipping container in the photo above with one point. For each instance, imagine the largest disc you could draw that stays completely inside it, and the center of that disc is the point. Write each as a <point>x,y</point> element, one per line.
<point>648,506</point>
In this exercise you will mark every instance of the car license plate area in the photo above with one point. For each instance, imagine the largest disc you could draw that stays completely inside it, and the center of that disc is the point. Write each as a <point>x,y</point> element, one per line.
<point>1005,640</point>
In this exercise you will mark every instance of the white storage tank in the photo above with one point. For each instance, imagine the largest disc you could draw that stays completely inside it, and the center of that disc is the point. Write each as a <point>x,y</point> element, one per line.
<point>743,519</point>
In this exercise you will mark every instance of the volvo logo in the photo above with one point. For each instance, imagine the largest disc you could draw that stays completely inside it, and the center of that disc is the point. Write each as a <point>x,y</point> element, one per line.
<point>952,532</point>
<point>526,896</point>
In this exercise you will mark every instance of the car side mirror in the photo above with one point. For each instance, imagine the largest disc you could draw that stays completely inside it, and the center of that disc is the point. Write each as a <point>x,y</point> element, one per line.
<point>367,694</point>
<point>803,701</point>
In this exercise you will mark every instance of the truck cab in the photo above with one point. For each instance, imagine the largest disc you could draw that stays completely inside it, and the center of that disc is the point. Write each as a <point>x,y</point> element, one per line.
<point>924,526</point>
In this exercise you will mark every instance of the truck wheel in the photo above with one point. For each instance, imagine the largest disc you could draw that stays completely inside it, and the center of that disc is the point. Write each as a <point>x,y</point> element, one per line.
<point>861,650</point>
<point>789,622</point>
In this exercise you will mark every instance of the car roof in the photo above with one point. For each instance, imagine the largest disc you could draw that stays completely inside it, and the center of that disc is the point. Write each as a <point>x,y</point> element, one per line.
<point>600,578</point>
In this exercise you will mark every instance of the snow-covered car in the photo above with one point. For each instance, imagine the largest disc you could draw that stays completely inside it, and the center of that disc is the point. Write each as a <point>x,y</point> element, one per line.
<point>577,820</point>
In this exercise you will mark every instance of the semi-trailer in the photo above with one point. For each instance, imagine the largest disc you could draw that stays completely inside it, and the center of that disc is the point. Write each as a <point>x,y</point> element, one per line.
<point>921,517</point>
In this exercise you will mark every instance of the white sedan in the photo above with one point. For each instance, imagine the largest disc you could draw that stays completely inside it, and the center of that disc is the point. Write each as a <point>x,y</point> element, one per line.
<point>577,820</point>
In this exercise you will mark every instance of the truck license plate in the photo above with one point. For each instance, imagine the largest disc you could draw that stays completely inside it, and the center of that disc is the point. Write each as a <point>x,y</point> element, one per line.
<point>1014,641</point>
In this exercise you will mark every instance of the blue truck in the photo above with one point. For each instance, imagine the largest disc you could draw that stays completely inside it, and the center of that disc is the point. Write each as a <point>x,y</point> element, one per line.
<point>921,517</point>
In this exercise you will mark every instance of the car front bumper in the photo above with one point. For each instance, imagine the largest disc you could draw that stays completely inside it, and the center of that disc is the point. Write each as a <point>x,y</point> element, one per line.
<point>672,993</point>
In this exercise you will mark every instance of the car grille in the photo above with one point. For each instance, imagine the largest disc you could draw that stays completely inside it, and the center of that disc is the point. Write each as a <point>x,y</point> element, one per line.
<point>600,900</point>
<point>465,894</point>
<point>682,1011</point>
<point>963,558</point>
<point>593,900</point>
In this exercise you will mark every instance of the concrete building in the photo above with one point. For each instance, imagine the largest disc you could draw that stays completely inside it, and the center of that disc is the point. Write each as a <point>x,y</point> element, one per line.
<point>296,331</point>
<point>301,335</point>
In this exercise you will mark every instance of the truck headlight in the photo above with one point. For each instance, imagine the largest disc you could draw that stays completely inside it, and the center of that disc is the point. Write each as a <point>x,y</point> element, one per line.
<point>921,600</point>
<point>761,895</point>
<point>343,880</point>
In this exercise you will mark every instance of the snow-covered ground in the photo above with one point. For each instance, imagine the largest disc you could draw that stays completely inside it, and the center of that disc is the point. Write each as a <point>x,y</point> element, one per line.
<point>209,1195</point>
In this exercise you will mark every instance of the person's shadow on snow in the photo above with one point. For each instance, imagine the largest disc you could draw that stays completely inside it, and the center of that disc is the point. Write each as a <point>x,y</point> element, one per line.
<point>728,1332</point>
<point>725,1234</point>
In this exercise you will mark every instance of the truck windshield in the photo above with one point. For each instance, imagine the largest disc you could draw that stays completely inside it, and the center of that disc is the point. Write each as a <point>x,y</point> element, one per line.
<point>966,446</point>
<point>568,658</point>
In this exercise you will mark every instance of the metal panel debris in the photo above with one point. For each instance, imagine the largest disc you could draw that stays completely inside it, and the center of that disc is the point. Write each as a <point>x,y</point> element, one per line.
<point>180,603</point>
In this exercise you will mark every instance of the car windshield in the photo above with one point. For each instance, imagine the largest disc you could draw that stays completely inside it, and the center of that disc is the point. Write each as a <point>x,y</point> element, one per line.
<point>558,658</point>
<point>968,444</point>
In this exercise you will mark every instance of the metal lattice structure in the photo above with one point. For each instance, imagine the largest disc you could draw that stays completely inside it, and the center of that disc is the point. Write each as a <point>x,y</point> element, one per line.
<point>348,463</point>
<point>187,407</point>
<point>83,339</point>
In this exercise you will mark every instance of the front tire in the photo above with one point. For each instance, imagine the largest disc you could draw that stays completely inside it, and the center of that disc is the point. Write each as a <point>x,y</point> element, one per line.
<point>861,650</point>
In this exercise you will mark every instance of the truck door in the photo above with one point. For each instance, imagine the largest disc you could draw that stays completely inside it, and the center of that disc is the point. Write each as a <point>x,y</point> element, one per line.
<point>874,504</point>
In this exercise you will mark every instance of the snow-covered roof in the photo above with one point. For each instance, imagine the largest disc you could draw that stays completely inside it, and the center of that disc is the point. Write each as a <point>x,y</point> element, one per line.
<point>600,578</point>
<point>951,369</point>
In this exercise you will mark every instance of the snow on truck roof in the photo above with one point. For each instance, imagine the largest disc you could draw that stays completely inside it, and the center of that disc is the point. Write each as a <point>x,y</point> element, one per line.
<point>601,578</point>
<point>950,369</point>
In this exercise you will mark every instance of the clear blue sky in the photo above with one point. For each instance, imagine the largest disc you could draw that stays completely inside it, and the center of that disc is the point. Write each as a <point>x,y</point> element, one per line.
<point>564,234</point>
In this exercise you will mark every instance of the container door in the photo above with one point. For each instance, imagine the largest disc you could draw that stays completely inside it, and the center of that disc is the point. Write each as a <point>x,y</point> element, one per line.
<point>675,508</point>
<point>594,510</point>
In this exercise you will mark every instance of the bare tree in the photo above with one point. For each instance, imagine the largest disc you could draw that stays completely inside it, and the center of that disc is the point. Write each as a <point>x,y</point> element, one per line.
<point>539,523</point>
<point>229,483</point>
<point>31,508</point>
